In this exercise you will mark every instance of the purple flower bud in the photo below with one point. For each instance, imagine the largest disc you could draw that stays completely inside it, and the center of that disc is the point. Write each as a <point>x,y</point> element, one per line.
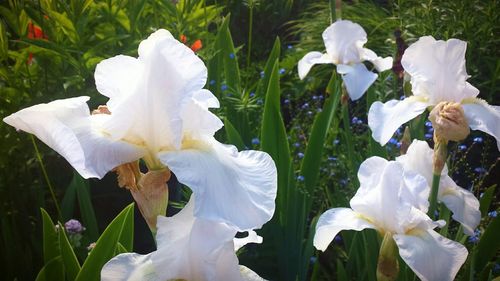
<point>73,226</point>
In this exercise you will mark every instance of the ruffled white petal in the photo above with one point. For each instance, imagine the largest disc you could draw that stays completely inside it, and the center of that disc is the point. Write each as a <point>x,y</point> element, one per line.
<point>67,127</point>
<point>437,70</point>
<point>197,121</point>
<point>191,248</point>
<point>252,237</point>
<point>462,203</point>
<point>381,64</point>
<point>234,187</point>
<point>430,255</point>
<point>311,59</point>
<point>129,267</point>
<point>249,275</point>
<point>484,117</point>
<point>331,222</point>
<point>357,79</point>
<point>171,74</point>
<point>344,42</point>
<point>385,118</point>
<point>118,77</point>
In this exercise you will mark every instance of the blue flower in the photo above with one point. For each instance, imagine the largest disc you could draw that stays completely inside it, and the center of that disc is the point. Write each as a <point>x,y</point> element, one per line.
<point>428,124</point>
<point>282,71</point>
<point>300,155</point>
<point>314,97</point>
<point>300,178</point>
<point>332,158</point>
<point>260,101</point>
<point>252,94</point>
<point>212,82</point>
<point>262,73</point>
<point>336,141</point>
<point>255,141</point>
<point>478,139</point>
<point>430,130</point>
<point>462,147</point>
<point>319,109</point>
<point>480,170</point>
<point>492,214</point>
<point>289,47</point>
<point>401,97</point>
<point>223,87</point>
<point>305,105</point>
<point>428,136</point>
<point>231,56</point>
<point>354,120</point>
<point>393,141</point>
<point>286,101</point>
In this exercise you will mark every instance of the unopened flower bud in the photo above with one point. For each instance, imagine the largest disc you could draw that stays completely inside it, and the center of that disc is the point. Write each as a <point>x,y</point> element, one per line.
<point>151,195</point>
<point>388,264</point>
<point>449,122</point>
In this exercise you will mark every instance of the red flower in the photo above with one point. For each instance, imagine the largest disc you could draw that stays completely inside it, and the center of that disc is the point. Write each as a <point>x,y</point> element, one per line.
<point>196,46</point>
<point>34,32</point>
<point>183,38</point>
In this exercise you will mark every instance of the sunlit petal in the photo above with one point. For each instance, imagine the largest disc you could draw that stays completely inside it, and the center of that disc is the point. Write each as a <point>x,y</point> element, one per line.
<point>130,267</point>
<point>344,41</point>
<point>311,59</point>
<point>385,118</point>
<point>251,238</point>
<point>331,222</point>
<point>381,64</point>
<point>437,69</point>
<point>462,203</point>
<point>238,188</point>
<point>430,255</point>
<point>68,128</point>
<point>357,79</point>
<point>484,117</point>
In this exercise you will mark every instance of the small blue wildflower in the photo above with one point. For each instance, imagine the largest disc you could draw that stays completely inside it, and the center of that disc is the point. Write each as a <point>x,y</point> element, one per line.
<point>492,214</point>
<point>300,155</point>
<point>319,109</point>
<point>262,73</point>
<point>428,124</point>
<point>314,97</point>
<point>223,87</point>
<point>212,82</point>
<point>473,239</point>
<point>337,239</point>
<point>312,260</point>
<point>332,158</point>
<point>336,141</point>
<point>289,47</point>
<point>231,56</point>
<point>430,130</point>
<point>282,71</point>
<point>462,147</point>
<point>480,170</point>
<point>480,194</point>
<point>360,121</point>
<point>399,131</point>
<point>354,120</point>
<point>305,105</point>
<point>428,136</point>
<point>343,182</point>
<point>398,144</point>
<point>296,144</point>
<point>401,97</point>
<point>496,268</point>
<point>260,101</point>
<point>286,101</point>
<point>393,141</point>
<point>300,178</point>
<point>252,94</point>
<point>255,141</point>
<point>478,139</point>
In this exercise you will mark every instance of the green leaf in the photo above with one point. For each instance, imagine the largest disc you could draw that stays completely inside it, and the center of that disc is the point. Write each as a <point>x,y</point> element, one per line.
<point>341,273</point>
<point>50,238</point>
<point>70,262</point>
<point>312,157</point>
<point>233,136</point>
<point>273,133</point>
<point>86,208</point>
<point>120,249</point>
<point>105,247</point>
<point>65,24</point>
<point>485,201</point>
<point>273,56</point>
<point>488,245</point>
<point>127,234</point>
<point>68,202</point>
<point>52,270</point>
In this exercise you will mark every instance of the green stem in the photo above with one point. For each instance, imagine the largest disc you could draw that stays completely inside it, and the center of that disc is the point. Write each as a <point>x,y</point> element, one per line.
<point>445,215</point>
<point>42,166</point>
<point>434,193</point>
<point>348,135</point>
<point>250,27</point>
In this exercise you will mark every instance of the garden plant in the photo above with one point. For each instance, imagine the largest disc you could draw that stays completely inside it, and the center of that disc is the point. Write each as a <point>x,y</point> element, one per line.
<point>254,140</point>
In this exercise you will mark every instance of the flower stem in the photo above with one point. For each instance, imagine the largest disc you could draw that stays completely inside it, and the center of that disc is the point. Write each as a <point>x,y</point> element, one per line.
<point>42,166</point>
<point>434,194</point>
<point>250,27</point>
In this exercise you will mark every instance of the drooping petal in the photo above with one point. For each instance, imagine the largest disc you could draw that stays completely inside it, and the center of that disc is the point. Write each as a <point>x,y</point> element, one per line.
<point>191,248</point>
<point>344,42</point>
<point>118,77</point>
<point>357,79</point>
<point>129,267</point>
<point>171,74</point>
<point>484,117</point>
<point>67,127</point>
<point>462,203</point>
<point>252,237</point>
<point>331,222</point>
<point>437,70</point>
<point>381,64</point>
<point>385,118</point>
<point>430,255</point>
<point>237,188</point>
<point>309,60</point>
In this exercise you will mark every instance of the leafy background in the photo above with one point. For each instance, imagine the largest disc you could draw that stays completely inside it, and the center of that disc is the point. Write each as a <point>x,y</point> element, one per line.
<point>251,49</point>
